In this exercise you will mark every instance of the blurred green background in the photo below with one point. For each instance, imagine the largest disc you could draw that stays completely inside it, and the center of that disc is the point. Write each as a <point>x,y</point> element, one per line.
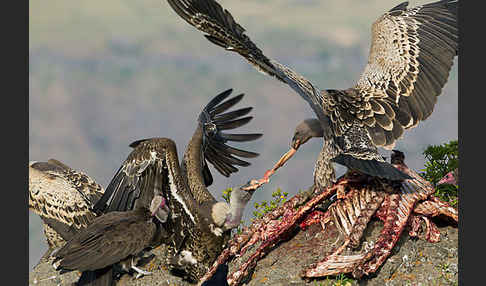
<point>105,73</point>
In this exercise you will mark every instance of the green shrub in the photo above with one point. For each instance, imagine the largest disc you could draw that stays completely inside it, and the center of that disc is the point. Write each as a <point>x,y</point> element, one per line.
<point>226,194</point>
<point>440,160</point>
<point>278,198</point>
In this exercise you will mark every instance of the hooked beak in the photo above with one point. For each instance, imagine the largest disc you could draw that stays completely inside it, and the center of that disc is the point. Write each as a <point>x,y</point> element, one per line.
<point>295,143</point>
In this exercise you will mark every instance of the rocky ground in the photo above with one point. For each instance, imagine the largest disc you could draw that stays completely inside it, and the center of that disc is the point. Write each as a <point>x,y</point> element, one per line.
<point>413,262</point>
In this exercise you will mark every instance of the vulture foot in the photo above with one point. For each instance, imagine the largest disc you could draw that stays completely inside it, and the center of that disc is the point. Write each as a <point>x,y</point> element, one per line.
<point>140,272</point>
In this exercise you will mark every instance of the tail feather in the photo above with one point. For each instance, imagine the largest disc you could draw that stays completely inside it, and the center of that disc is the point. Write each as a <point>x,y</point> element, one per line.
<point>372,167</point>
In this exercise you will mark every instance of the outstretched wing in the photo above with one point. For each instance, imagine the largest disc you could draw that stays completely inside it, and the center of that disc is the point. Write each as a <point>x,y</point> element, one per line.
<point>62,197</point>
<point>152,168</point>
<point>411,55</point>
<point>221,29</point>
<point>412,52</point>
<point>214,121</point>
<point>143,174</point>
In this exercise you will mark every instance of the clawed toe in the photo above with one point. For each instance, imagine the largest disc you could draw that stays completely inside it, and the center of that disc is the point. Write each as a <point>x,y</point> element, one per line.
<point>139,271</point>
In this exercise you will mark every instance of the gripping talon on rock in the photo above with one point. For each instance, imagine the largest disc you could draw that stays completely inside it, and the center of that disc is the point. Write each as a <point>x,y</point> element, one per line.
<point>140,272</point>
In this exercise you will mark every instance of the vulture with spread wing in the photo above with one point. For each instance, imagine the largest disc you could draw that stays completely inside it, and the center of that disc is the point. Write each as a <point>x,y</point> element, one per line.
<point>412,51</point>
<point>153,200</point>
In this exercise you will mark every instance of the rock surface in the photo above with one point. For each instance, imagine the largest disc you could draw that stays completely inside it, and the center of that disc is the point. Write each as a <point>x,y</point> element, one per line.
<point>412,262</point>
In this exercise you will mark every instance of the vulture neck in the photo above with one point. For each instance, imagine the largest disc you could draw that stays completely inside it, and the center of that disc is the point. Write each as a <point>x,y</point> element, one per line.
<point>180,189</point>
<point>192,166</point>
<point>236,208</point>
<point>324,174</point>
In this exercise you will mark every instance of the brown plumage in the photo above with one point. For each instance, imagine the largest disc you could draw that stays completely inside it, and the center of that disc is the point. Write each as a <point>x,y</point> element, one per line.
<point>101,245</point>
<point>63,198</point>
<point>194,225</point>
<point>411,54</point>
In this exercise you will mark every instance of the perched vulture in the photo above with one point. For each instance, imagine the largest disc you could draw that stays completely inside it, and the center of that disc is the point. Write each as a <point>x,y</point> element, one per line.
<point>63,199</point>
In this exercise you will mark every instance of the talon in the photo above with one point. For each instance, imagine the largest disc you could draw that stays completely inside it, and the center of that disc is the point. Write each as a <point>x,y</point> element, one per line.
<point>139,271</point>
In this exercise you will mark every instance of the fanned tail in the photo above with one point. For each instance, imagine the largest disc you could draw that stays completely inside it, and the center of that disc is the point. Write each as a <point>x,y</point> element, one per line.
<point>372,167</point>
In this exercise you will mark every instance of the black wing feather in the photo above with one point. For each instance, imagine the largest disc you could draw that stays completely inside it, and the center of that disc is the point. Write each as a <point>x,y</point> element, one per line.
<point>134,180</point>
<point>232,115</point>
<point>371,167</point>
<point>213,121</point>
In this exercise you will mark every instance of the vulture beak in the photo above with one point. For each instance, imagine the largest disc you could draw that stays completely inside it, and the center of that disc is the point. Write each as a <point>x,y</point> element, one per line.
<point>296,143</point>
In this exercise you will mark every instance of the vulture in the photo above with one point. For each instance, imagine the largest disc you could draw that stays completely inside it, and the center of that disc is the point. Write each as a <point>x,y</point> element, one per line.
<point>63,199</point>
<point>412,51</point>
<point>153,199</point>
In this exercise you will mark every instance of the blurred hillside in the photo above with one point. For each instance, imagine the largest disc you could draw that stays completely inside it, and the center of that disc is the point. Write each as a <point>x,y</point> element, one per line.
<point>105,73</point>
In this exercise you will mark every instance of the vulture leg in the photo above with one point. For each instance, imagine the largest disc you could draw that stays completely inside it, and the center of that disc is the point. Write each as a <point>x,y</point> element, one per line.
<point>139,271</point>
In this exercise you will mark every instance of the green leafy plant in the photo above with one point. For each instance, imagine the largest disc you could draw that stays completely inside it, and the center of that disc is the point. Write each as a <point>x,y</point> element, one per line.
<point>278,198</point>
<point>343,280</point>
<point>226,194</point>
<point>339,280</point>
<point>441,159</point>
